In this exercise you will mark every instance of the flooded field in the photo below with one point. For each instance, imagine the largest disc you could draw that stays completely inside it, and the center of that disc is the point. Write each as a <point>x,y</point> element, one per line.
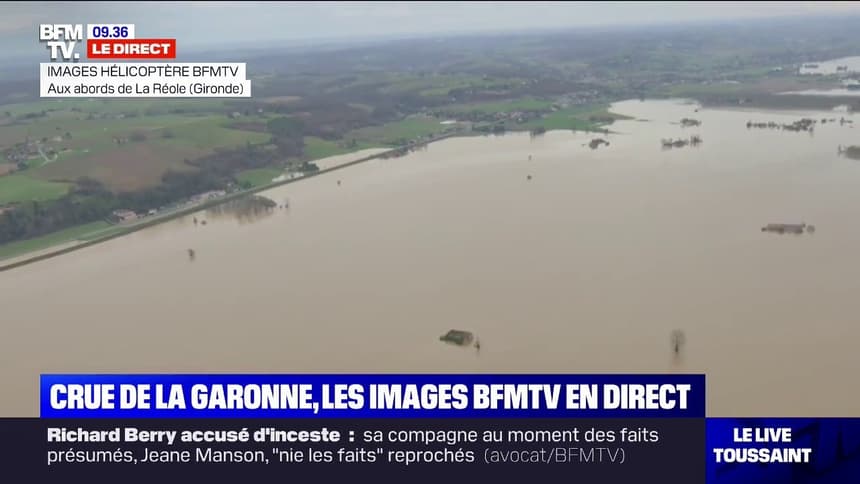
<point>843,67</point>
<point>559,257</point>
<point>834,66</point>
<point>826,92</point>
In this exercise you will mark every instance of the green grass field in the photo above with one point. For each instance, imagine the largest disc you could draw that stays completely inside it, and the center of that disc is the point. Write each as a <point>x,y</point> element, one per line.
<point>36,162</point>
<point>81,232</point>
<point>440,85</point>
<point>259,176</point>
<point>115,106</point>
<point>397,132</point>
<point>524,104</point>
<point>209,133</point>
<point>474,83</point>
<point>316,148</point>
<point>577,118</point>
<point>98,133</point>
<point>19,187</point>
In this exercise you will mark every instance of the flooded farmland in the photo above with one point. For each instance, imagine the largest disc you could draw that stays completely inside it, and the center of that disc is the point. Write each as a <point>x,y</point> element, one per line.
<point>559,257</point>
<point>833,66</point>
<point>826,92</point>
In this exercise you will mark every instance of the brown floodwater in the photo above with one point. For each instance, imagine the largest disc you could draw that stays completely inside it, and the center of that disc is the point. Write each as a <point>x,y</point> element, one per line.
<point>588,266</point>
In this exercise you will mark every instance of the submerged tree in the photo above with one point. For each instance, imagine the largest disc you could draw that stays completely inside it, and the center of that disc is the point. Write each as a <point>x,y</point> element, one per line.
<point>678,340</point>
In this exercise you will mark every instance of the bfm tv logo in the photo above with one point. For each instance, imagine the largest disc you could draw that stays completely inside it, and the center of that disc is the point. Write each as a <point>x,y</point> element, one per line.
<point>104,41</point>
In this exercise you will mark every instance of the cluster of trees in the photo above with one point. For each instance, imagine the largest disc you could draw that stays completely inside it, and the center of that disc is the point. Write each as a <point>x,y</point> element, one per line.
<point>495,128</point>
<point>331,118</point>
<point>287,136</point>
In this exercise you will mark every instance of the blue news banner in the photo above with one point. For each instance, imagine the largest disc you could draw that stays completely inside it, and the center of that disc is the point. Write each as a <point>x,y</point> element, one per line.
<point>414,428</point>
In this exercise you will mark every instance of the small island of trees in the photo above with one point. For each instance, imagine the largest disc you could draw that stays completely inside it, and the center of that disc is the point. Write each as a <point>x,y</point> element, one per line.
<point>852,152</point>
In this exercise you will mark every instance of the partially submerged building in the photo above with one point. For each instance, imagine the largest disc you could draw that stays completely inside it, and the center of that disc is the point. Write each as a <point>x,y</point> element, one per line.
<point>458,337</point>
<point>207,196</point>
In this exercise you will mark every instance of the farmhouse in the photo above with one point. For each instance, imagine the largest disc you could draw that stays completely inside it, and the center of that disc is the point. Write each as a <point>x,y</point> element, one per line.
<point>122,216</point>
<point>205,197</point>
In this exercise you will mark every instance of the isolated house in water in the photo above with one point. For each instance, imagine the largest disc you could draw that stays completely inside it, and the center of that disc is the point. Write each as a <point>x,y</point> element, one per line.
<point>458,337</point>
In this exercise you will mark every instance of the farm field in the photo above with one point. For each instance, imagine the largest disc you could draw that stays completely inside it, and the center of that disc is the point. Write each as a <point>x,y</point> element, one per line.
<point>18,187</point>
<point>524,104</point>
<point>258,176</point>
<point>113,143</point>
<point>579,118</point>
<point>442,85</point>
<point>127,168</point>
<point>397,132</point>
<point>115,106</point>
